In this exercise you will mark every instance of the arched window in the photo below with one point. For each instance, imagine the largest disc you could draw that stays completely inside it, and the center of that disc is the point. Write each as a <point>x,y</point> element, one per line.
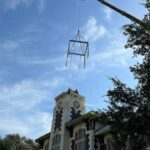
<point>109,144</point>
<point>46,146</point>
<point>80,140</point>
<point>56,142</point>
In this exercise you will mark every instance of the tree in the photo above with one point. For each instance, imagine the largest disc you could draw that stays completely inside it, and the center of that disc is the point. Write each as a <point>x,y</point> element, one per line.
<point>128,112</point>
<point>16,142</point>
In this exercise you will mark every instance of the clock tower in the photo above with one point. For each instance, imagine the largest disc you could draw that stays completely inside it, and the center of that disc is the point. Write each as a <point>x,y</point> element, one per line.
<point>69,105</point>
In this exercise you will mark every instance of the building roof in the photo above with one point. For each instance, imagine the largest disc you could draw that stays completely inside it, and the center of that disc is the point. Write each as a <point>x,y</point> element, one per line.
<point>79,119</point>
<point>71,92</point>
<point>43,137</point>
<point>103,130</point>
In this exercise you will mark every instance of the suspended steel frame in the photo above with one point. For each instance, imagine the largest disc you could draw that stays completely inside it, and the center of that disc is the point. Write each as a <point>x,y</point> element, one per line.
<point>82,52</point>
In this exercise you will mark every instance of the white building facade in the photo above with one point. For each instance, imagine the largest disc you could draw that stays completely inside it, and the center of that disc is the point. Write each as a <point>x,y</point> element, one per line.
<point>71,128</point>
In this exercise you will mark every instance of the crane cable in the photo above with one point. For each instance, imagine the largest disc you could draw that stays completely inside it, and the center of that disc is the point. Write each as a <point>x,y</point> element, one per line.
<point>79,14</point>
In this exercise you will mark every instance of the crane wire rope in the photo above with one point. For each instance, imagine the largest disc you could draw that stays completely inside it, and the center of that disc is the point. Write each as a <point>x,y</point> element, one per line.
<point>78,45</point>
<point>79,15</point>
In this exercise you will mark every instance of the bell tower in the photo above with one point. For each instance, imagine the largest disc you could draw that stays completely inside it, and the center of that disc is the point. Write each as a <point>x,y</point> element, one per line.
<point>69,105</point>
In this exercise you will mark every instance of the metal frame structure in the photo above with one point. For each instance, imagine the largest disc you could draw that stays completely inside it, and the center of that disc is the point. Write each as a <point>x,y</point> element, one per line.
<point>82,52</point>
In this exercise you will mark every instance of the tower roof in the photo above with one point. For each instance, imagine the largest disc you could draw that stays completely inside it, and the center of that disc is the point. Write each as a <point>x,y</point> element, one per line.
<point>71,92</point>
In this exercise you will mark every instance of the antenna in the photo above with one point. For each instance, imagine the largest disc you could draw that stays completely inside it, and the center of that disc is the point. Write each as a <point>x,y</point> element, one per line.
<point>78,46</point>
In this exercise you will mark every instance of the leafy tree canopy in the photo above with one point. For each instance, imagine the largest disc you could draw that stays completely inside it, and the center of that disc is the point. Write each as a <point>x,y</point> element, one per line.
<point>16,142</point>
<point>128,112</point>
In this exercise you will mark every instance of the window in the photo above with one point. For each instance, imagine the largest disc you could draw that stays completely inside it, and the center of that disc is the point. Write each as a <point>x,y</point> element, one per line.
<point>56,142</point>
<point>80,140</point>
<point>109,144</point>
<point>46,146</point>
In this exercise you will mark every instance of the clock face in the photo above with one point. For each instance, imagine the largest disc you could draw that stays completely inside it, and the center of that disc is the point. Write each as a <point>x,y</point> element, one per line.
<point>76,104</point>
<point>59,105</point>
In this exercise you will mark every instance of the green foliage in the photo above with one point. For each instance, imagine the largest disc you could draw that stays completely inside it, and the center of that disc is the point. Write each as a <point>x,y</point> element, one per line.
<point>128,112</point>
<point>16,142</point>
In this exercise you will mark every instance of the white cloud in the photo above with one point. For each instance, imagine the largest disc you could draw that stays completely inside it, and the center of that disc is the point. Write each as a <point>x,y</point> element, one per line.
<point>22,106</point>
<point>41,5</point>
<point>32,124</point>
<point>23,41</point>
<point>93,31</point>
<point>108,13</point>
<point>39,123</point>
<point>40,61</point>
<point>12,4</point>
<point>111,58</point>
<point>55,83</point>
<point>9,45</point>
<point>28,94</point>
<point>9,124</point>
<point>23,95</point>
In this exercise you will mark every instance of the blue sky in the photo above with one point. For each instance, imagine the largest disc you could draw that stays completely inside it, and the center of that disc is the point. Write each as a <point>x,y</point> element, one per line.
<point>34,36</point>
